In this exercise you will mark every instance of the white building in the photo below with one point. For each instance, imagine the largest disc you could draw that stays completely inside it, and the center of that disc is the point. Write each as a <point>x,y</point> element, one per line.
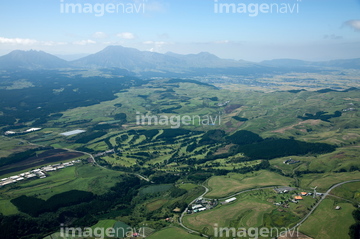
<point>49,169</point>
<point>230,200</point>
<point>202,209</point>
<point>33,129</point>
<point>31,175</point>
<point>197,206</point>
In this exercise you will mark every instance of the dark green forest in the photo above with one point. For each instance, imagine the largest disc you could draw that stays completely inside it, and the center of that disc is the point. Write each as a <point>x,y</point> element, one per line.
<point>62,92</point>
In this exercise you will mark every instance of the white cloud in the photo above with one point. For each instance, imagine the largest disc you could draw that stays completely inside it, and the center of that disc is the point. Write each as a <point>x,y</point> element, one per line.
<point>17,41</point>
<point>84,42</point>
<point>156,45</point>
<point>27,42</point>
<point>355,24</point>
<point>100,35</point>
<point>222,42</point>
<point>126,35</point>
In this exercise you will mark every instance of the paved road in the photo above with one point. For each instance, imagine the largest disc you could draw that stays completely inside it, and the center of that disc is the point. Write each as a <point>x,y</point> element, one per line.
<point>321,199</point>
<point>249,190</point>
<point>185,211</point>
<point>142,177</point>
<point>96,163</point>
<point>202,195</point>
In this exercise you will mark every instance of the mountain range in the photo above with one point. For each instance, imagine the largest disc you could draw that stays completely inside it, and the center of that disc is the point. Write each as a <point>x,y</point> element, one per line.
<point>142,62</point>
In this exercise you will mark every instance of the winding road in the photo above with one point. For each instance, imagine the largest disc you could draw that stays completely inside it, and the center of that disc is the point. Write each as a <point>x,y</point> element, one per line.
<point>244,191</point>
<point>185,211</point>
<point>321,199</point>
<point>249,190</point>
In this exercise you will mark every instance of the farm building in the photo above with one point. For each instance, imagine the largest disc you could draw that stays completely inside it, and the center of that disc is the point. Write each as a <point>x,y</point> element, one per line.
<point>291,161</point>
<point>31,175</point>
<point>73,132</point>
<point>48,169</point>
<point>32,129</point>
<point>230,200</point>
<point>201,209</point>
<point>197,206</point>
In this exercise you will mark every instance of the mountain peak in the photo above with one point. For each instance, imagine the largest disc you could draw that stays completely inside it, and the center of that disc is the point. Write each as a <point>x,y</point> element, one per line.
<point>31,59</point>
<point>146,61</point>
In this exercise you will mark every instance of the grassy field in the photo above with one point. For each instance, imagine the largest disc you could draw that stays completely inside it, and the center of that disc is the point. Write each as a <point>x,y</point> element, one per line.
<point>188,186</point>
<point>328,223</point>
<point>341,159</point>
<point>42,158</point>
<point>349,191</point>
<point>173,233</point>
<point>104,224</point>
<point>243,213</point>
<point>325,180</point>
<point>222,186</point>
<point>12,145</point>
<point>82,177</point>
<point>7,208</point>
<point>156,204</point>
<point>57,235</point>
<point>272,114</point>
<point>155,189</point>
<point>252,209</point>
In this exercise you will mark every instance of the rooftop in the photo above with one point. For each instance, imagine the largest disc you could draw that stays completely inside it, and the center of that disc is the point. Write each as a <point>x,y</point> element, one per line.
<point>73,132</point>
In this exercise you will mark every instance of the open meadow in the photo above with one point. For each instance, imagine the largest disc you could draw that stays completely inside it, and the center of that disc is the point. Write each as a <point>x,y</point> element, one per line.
<point>251,209</point>
<point>82,177</point>
<point>222,186</point>
<point>164,166</point>
<point>328,223</point>
<point>174,233</point>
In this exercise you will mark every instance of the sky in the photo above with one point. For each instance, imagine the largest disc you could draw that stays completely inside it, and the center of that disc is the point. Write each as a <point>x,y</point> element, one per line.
<point>252,30</point>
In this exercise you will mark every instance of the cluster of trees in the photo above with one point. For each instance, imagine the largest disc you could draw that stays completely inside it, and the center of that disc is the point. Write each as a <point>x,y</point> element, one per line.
<point>275,148</point>
<point>18,157</point>
<point>164,178</point>
<point>149,134</point>
<point>36,206</point>
<point>212,137</point>
<point>169,135</point>
<point>255,147</point>
<point>240,118</point>
<point>122,117</point>
<point>60,93</point>
<point>321,115</point>
<point>81,208</point>
<point>244,137</point>
<point>86,137</point>
<point>21,156</point>
<point>190,81</point>
<point>355,228</point>
<point>352,168</point>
